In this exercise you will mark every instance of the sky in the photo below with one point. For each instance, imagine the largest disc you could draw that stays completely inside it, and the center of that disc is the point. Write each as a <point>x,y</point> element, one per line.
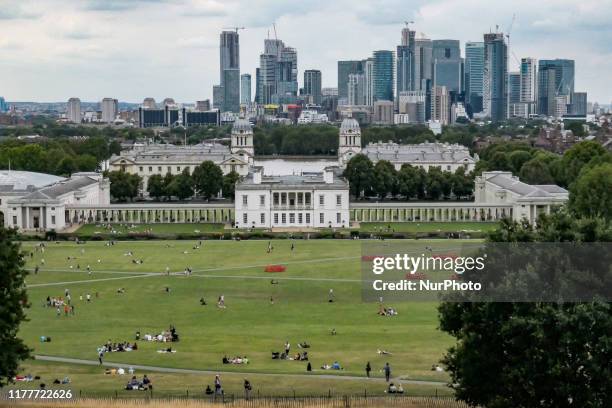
<point>51,50</point>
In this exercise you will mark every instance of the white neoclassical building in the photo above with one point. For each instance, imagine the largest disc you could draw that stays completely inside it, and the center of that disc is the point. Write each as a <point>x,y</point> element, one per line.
<point>526,201</point>
<point>35,201</point>
<point>309,200</point>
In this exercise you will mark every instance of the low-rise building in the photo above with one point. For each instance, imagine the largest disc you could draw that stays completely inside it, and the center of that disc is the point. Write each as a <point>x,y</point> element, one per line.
<point>309,200</point>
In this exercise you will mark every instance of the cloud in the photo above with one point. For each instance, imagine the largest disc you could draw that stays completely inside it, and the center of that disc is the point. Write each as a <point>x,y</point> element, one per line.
<point>203,42</point>
<point>118,5</point>
<point>13,11</point>
<point>204,8</point>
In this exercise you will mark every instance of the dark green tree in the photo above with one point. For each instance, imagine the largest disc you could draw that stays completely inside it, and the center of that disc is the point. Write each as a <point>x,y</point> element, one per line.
<point>536,171</point>
<point>359,173</point>
<point>384,178</point>
<point>591,193</point>
<point>409,180</point>
<point>156,186</point>
<point>66,166</point>
<point>124,186</point>
<point>86,162</point>
<point>208,179</point>
<point>168,178</point>
<point>229,184</point>
<point>434,183</point>
<point>462,184</point>
<point>12,304</point>
<point>517,159</point>
<point>577,157</point>
<point>182,185</point>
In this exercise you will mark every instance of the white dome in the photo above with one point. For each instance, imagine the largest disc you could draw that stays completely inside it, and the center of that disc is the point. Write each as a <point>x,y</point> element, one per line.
<point>350,125</point>
<point>242,126</point>
<point>20,180</point>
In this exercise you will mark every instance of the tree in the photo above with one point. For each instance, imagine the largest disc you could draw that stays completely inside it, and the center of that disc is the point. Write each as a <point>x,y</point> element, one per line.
<point>408,180</point>
<point>182,185</point>
<point>462,184</point>
<point>591,193</point>
<point>358,172</point>
<point>86,162</point>
<point>66,166</point>
<point>229,184</point>
<point>124,186</point>
<point>156,187</point>
<point>499,162</point>
<point>208,179</point>
<point>578,156</point>
<point>536,171</point>
<point>434,183</point>
<point>517,159</point>
<point>168,178</point>
<point>541,354</point>
<point>384,178</point>
<point>12,304</point>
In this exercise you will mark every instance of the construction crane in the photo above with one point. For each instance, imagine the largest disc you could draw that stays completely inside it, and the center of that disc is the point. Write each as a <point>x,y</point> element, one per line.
<point>408,23</point>
<point>234,28</point>
<point>508,32</point>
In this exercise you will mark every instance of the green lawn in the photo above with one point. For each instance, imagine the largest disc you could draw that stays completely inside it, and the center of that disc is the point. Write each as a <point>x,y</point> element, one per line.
<point>427,226</point>
<point>250,325</point>
<point>124,229</point>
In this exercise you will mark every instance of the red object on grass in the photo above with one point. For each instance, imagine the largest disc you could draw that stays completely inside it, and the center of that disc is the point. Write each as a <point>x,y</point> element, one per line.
<point>276,268</point>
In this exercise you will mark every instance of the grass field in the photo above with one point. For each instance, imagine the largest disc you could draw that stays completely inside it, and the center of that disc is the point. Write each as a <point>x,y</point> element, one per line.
<point>124,229</point>
<point>251,324</point>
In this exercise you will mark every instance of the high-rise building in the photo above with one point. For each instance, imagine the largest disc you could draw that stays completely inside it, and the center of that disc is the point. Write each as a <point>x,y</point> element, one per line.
<point>423,59</point>
<point>368,72</point>
<point>440,105</point>
<point>529,80</point>
<point>405,61</point>
<point>495,78</point>
<point>149,103</point>
<point>446,56</point>
<point>412,103</point>
<point>229,70</point>
<point>203,106</point>
<point>383,75</point>
<point>383,112</point>
<point>357,89</point>
<point>73,110</point>
<point>3,105</point>
<point>312,85</point>
<point>579,104</point>
<point>555,79</point>
<point>110,109</point>
<point>218,95</point>
<point>474,71</point>
<point>245,89</point>
<point>345,68</point>
<point>514,87</point>
<point>276,80</point>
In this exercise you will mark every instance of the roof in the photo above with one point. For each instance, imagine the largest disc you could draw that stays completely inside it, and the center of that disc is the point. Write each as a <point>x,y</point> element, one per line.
<point>506,181</point>
<point>11,180</point>
<point>423,152</point>
<point>350,125</point>
<point>302,181</point>
<point>242,126</point>
<point>170,153</point>
<point>56,190</point>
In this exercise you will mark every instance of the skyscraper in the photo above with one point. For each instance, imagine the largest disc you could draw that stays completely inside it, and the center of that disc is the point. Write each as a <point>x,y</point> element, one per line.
<point>345,68</point>
<point>474,71</point>
<point>229,70</point>
<point>555,79</point>
<point>514,87</point>
<point>446,56</point>
<point>405,61</point>
<point>579,104</point>
<point>368,72</point>
<point>423,54</point>
<point>383,75</point>
<point>495,78</point>
<point>287,83</point>
<point>73,110</point>
<point>529,80</point>
<point>3,105</point>
<point>245,89</point>
<point>110,109</point>
<point>357,89</point>
<point>149,103</point>
<point>312,85</point>
<point>277,76</point>
<point>218,97</point>
<point>440,106</point>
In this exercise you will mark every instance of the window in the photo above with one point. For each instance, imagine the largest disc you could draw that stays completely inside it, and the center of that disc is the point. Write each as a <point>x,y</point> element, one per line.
<point>300,218</point>
<point>169,169</point>
<point>275,218</point>
<point>262,200</point>
<point>262,218</point>
<point>307,218</point>
<point>275,198</point>
<point>284,218</point>
<point>321,199</point>
<point>300,198</point>
<point>0,201</point>
<point>283,198</point>
<point>245,200</point>
<point>52,208</point>
<point>448,167</point>
<point>245,218</point>
<point>339,199</point>
<point>307,198</point>
<point>14,220</point>
<point>338,218</point>
<point>321,218</point>
<point>53,219</point>
<point>291,218</point>
<point>178,168</point>
<point>140,168</point>
<point>150,169</point>
<point>159,169</point>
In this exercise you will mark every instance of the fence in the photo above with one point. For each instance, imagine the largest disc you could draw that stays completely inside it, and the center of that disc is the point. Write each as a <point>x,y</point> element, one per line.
<point>263,402</point>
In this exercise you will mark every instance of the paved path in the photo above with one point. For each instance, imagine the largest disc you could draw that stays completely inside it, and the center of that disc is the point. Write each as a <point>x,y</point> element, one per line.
<point>209,372</point>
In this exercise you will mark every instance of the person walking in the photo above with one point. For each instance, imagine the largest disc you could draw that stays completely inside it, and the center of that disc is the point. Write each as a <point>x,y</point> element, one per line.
<point>218,389</point>
<point>368,369</point>
<point>387,372</point>
<point>247,389</point>
<point>100,356</point>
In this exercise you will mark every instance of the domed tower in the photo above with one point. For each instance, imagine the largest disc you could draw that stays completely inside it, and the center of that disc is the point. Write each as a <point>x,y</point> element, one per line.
<point>350,140</point>
<point>242,138</point>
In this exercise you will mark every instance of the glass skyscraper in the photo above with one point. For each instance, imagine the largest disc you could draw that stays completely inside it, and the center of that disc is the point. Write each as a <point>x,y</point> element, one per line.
<point>555,78</point>
<point>345,68</point>
<point>447,65</point>
<point>474,71</point>
<point>245,89</point>
<point>495,79</point>
<point>383,75</point>
<point>229,58</point>
<point>312,85</point>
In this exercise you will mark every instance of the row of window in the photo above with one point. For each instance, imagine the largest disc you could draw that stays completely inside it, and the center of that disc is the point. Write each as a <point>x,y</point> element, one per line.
<point>282,217</point>
<point>291,199</point>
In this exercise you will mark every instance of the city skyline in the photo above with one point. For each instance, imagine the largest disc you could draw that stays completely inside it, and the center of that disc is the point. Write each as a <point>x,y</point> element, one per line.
<point>90,54</point>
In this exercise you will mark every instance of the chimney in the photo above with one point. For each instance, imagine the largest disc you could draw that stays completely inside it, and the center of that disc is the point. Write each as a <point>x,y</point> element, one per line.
<point>328,175</point>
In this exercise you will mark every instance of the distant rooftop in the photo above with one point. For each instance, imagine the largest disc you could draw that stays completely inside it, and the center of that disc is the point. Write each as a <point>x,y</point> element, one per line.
<point>21,180</point>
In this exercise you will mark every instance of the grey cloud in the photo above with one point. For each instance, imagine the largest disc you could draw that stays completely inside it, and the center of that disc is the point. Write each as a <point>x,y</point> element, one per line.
<point>118,5</point>
<point>12,11</point>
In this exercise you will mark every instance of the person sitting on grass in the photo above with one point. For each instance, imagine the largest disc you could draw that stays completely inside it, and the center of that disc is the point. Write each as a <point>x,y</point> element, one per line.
<point>202,301</point>
<point>146,382</point>
<point>303,345</point>
<point>208,390</point>
<point>336,366</point>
